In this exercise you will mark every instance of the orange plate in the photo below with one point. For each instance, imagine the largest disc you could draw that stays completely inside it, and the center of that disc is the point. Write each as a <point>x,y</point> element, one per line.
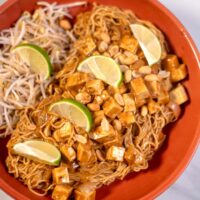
<point>182,137</point>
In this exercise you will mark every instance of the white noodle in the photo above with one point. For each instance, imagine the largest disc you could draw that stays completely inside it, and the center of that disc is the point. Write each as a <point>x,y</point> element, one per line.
<point>19,86</point>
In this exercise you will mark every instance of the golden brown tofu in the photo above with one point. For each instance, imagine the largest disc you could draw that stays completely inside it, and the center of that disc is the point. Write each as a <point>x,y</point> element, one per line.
<point>62,134</point>
<point>163,97</point>
<point>105,95</point>
<point>179,95</point>
<point>170,62</point>
<point>179,74</point>
<point>68,152</point>
<point>87,47</point>
<point>85,153</point>
<point>116,141</point>
<point>60,175</point>
<point>129,43</point>
<point>126,118</point>
<point>115,153</point>
<point>166,84</point>
<point>152,106</point>
<point>112,108</point>
<point>61,192</point>
<point>95,87</point>
<point>129,154</point>
<point>153,87</point>
<point>139,101</point>
<point>129,102</point>
<point>85,191</point>
<point>98,116</point>
<point>101,135</point>
<point>139,88</point>
<point>77,79</point>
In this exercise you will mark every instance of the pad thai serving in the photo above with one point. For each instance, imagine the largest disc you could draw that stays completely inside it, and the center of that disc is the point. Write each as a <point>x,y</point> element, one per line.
<point>84,100</point>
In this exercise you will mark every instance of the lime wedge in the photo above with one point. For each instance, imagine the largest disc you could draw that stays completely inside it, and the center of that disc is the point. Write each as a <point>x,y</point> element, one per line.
<point>148,41</point>
<point>103,68</point>
<point>75,111</point>
<point>40,151</point>
<point>35,57</point>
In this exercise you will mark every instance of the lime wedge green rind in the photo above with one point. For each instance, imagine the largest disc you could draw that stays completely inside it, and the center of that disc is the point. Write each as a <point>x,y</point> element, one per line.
<point>104,68</point>
<point>40,151</point>
<point>39,50</point>
<point>82,108</point>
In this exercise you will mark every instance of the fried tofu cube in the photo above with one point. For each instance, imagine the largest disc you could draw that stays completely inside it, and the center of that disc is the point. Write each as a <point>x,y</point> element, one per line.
<point>115,153</point>
<point>129,43</point>
<point>77,79</point>
<point>112,108</point>
<point>139,101</point>
<point>60,175</point>
<point>179,95</point>
<point>129,155</point>
<point>101,135</point>
<point>163,97</point>
<point>68,152</point>
<point>170,63</point>
<point>139,88</point>
<point>116,141</point>
<point>152,106</point>
<point>85,191</point>
<point>153,87</point>
<point>85,153</point>
<point>129,102</point>
<point>61,192</point>
<point>98,116</point>
<point>62,134</point>
<point>179,74</point>
<point>126,118</point>
<point>166,84</point>
<point>87,47</point>
<point>95,87</point>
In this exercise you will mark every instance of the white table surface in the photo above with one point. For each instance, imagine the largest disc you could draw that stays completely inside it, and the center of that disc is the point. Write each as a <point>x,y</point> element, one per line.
<point>187,187</point>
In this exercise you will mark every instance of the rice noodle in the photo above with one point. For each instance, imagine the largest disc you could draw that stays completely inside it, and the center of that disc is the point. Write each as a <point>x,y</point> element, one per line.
<point>141,133</point>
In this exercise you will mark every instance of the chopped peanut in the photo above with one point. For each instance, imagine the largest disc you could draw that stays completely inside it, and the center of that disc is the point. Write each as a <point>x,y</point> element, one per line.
<point>129,43</point>
<point>83,97</point>
<point>60,175</point>
<point>115,153</point>
<point>65,24</point>
<point>126,118</point>
<point>61,192</point>
<point>112,108</point>
<point>68,152</point>
<point>95,87</point>
<point>93,107</point>
<point>129,102</point>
